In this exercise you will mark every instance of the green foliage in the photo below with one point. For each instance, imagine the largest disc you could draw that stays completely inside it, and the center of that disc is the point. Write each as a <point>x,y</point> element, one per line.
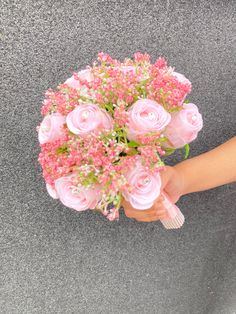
<point>141,88</point>
<point>133,144</point>
<point>62,149</point>
<point>172,110</point>
<point>132,151</point>
<point>109,108</point>
<point>90,179</point>
<point>169,150</point>
<point>162,140</point>
<point>186,151</point>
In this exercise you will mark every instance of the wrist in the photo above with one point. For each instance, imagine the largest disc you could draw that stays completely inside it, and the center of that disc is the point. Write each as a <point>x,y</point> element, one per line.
<point>184,177</point>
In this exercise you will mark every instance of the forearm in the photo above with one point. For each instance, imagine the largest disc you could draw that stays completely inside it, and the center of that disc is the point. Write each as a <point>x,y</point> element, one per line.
<point>209,170</point>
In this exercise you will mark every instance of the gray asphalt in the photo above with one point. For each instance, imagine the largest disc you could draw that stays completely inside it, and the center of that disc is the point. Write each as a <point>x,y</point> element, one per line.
<point>55,260</point>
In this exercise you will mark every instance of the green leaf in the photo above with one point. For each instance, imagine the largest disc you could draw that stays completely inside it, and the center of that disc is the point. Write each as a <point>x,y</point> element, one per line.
<point>186,101</point>
<point>169,151</point>
<point>133,144</point>
<point>90,179</point>
<point>162,139</point>
<point>186,149</point>
<point>62,149</point>
<point>132,151</point>
<point>171,110</point>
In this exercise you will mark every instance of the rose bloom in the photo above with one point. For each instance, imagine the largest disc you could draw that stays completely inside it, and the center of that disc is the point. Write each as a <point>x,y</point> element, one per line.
<point>146,116</point>
<point>51,191</point>
<point>128,68</point>
<point>87,118</point>
<point>145,187</point>
<point>78,198</point>
<point>184,126</point>
<point>51,128</point>
<point>181,78</point>
<point>84,75</point>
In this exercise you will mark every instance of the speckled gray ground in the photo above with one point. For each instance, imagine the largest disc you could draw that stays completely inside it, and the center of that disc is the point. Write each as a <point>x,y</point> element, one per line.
<point>55,260</point>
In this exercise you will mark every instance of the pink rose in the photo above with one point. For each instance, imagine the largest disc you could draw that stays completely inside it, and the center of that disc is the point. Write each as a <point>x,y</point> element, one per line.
<point>184,126</point>
<point>84,75</point>
<point>181,78</point>
<point>51,128</point>
<point>146,187</point>
<point>78,198</point>
<point>51,191</point>
<point>128,68</point>
<point>88,118</point>
<point>146,116</point>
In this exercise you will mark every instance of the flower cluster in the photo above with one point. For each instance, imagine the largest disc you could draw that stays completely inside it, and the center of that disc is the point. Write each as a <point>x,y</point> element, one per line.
<point>106,128</point>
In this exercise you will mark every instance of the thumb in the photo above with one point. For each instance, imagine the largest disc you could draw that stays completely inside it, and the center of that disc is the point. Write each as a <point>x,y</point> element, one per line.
<point>169,184</point>
<point>165,177</point>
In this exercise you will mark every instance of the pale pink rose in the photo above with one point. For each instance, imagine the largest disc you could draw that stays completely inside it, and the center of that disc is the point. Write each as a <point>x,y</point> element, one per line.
<point>184,126</point>
<point>146,116</point>
<point>87,118</point>
<point>72,82</point>
<point>181,78</point>
<point>146,187</point>
<point>51,128</point>
<point>51,191</point>
<point>128,68</point>
<point>84,75</point>
<point>78,198</point>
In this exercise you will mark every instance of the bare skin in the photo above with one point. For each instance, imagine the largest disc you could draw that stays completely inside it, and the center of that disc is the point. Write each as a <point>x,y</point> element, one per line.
<point>206,171</point>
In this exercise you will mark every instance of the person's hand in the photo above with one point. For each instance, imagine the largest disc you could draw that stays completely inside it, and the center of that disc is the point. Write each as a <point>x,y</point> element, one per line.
<point>172,184</point>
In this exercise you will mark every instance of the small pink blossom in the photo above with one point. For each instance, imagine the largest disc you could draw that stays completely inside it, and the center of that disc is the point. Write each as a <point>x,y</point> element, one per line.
<point>160,63</point>
<point>51,128</point>
<point>111,213</point>
<point>121,115</point>
<point>104,57</point>
<point>46,106</point>
<point>141,57</point>
<point>114,215</point>
<point>87,118</point>
<point>184,126</point>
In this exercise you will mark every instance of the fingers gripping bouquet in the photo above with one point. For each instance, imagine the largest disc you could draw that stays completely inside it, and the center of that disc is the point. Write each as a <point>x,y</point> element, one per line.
<point>107,129</point>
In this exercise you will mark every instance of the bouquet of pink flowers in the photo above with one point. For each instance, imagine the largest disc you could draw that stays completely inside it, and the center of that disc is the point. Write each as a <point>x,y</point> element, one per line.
<point>107,129</point>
